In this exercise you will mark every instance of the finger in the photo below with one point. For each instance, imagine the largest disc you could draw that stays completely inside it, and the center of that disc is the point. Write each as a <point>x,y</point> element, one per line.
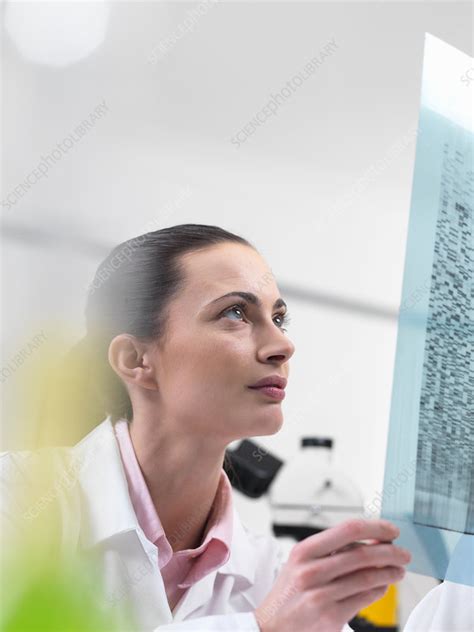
<point>352,545</point>
<point>323,571</point>
<point>348,547</point>
<point>322,544</point>
<point>349,607</point>
<point>361,581</point>
<point>356,545</point>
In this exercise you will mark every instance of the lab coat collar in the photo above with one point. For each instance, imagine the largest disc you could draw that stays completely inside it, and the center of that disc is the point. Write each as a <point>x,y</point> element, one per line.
<point>109,512</point>
<point>107,509</point>
<point>242,559</point>
<point>241,564</point>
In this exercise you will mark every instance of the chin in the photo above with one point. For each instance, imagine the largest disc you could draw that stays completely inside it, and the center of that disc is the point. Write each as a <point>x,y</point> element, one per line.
<point>270,425</point>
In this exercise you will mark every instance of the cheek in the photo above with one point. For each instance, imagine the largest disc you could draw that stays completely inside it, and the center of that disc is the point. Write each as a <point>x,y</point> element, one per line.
<point>228,348</point>
<point>215,359</point>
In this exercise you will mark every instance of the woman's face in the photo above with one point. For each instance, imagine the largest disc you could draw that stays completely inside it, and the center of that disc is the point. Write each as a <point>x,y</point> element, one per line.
<point>214,350</point>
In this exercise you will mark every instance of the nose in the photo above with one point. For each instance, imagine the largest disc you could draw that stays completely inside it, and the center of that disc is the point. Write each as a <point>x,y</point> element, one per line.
<point>276,348</point>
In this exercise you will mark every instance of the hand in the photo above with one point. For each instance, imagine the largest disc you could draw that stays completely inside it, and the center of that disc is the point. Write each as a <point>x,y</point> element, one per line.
<point>330,576</point>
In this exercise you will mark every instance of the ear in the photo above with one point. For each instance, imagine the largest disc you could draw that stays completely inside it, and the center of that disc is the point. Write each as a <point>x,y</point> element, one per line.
<point>131,359</point>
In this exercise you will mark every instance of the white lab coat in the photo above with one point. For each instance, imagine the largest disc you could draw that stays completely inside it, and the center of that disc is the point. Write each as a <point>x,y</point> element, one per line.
<point>448,607</point>
<point>97,515</point>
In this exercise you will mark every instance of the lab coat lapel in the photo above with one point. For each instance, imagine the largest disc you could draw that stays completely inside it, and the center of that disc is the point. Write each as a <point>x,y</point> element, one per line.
<point>106,506</point>
<point>109,526</point>
<point>197,595</point>
<point>241,563</point>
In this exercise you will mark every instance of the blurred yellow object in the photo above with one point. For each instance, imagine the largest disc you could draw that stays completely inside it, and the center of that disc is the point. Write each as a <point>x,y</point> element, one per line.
<point>383,612</point>
<point>53,393</point>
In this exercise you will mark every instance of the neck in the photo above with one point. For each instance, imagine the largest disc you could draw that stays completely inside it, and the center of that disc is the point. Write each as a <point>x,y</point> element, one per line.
<point>182,473</point>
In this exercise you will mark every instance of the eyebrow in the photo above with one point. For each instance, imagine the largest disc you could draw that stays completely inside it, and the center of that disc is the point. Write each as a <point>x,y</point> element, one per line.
<point>251,298</point>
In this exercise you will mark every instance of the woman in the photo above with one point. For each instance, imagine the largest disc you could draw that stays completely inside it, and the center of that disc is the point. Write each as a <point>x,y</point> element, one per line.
<point>181,324</point>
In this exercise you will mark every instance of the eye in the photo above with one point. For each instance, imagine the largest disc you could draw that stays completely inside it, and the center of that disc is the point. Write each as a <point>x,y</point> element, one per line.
<point>285,320</point>
<point>234,308</point>
<point>241,307</point>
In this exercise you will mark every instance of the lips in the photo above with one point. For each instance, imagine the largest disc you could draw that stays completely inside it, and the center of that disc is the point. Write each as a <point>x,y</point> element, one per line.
<point>272,380</point>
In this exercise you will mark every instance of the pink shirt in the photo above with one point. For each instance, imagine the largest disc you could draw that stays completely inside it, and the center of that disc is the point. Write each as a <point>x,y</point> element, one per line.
<point>179,569</point>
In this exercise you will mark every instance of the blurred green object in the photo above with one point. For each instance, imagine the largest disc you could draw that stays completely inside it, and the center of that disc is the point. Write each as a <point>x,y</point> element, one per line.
<point>54,601</point>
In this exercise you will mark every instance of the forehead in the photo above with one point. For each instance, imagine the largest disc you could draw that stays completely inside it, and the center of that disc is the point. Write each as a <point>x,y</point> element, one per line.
<point>224,268</point>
